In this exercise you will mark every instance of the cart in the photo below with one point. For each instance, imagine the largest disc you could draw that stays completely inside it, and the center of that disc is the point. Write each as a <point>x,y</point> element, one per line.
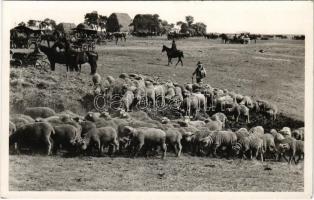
<point>22,57</point>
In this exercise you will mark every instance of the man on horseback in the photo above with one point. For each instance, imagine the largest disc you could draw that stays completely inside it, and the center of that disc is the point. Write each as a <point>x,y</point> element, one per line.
<point>199,72</point>
<point>173,46</point>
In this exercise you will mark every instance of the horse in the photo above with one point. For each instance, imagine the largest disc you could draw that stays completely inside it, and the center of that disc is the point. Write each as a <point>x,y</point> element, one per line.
<point>120,35</point>
<point>173,54</point>
<point>82,57</point>
<point>56,57</point>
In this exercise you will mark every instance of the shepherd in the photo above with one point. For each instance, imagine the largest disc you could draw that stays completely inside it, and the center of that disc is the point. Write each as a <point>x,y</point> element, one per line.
<point>199,72</point>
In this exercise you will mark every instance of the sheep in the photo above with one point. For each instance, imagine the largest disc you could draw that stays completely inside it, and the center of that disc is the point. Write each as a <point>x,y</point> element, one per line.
<point>251,144</point>
<point>292,147</point>
<point>67,136</point>
<point>150,93</point>
<point>220,117</point>
<point>248,102</point>
<point>237,110</point>
<point>96,79</point>
<point>148,136</point>
<point>19,122</point>
<point>160,91</point>
<point>33,135</point>
<point>242,132</point>
<point>101,137</point>
<point>298,134</point>
<point>12,128</point>
<point>202,101</point>
<point>224,138</point>
<point>42,112</point>
<point>214,125</point>
<point>286,132</point>
<point>277,136</point>
<point>223,102</point>
<point>178,92</point>
<point>86,126</point>
<point>173,138</point>
<point>257,131</point>
<point>269,146</point>
<point>29,119</point>
<point>194,123</point>
<point>170,92</point>
<point>190,105</point>
<point>267,108</point>
<point>127,99</point>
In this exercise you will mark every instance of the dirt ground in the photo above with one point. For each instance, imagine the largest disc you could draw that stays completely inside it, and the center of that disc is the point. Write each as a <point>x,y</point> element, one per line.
<point>277,75</point>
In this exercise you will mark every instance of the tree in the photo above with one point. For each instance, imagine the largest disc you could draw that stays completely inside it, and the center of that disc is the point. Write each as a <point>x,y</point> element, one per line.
<point>184,28</point>
<point>112,24</point>
<point>179,23</point>
<point>147,22</point>
<point>102,22</point>
<point>31,22</point>
<point>189,20</point>
<point>50,23</point>
<point>22,24</point>
<point>92,19</point>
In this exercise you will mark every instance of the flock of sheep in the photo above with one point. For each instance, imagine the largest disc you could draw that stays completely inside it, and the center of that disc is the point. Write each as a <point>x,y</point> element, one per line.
<point>126,129</point>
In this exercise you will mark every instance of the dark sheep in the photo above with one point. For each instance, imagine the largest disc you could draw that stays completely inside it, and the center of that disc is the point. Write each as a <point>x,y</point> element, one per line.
<point>33,136</point>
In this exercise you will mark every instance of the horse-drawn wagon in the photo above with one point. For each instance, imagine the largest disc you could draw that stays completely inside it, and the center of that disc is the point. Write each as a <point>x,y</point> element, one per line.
<point>24,37</point>
<point>27,57</point>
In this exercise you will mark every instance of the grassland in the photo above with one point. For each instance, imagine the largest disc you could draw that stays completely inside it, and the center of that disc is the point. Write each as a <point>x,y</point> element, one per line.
<point>276,75</point>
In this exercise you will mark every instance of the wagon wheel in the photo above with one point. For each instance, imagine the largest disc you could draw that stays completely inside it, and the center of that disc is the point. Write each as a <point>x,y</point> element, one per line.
<point>42,64</point>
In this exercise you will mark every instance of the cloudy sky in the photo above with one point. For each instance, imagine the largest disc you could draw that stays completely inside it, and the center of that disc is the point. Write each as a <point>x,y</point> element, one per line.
<point>288,17</point>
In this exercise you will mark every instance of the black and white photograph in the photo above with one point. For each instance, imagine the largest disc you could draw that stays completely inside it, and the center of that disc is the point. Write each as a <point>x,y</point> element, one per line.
<point>157,96</point>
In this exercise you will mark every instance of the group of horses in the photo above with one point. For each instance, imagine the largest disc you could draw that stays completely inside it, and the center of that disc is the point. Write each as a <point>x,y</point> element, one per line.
<point>70,57</point>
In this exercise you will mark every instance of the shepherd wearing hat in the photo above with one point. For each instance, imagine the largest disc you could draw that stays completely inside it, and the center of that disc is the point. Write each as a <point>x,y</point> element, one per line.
<point>199,72</point>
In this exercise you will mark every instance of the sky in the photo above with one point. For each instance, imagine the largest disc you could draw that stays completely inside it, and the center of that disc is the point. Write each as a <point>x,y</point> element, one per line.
<point>281,17</point>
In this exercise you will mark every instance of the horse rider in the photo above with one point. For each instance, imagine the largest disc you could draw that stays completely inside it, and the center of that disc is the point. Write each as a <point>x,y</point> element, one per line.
<point>199,72</point>
<point>173,46</point>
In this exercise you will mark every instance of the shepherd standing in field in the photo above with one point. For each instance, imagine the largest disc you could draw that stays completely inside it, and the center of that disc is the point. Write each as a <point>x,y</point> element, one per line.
<point>199,72</point>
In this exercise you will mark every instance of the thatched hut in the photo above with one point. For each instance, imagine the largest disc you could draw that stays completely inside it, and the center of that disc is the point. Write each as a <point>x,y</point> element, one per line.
<point>118,22</point>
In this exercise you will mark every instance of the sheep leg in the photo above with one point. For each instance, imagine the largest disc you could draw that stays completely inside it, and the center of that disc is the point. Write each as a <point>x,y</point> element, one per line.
<point>49,145</point>
<point>179,149</point>
<point>164,149</point>
<point>137,150</point>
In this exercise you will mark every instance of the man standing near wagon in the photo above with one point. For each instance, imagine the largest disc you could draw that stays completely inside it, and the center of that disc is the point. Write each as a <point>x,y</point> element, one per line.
<point>199,72</point>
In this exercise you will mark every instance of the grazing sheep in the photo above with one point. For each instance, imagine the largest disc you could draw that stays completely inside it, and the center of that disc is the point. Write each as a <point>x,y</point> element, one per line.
<point>178,92</point>
<point>224,102</point>
<point>298,134</point>
<point>42,112</point>
<point>12,128</point>
<point>170,92</point>
<point>237,110</point>
<point>19,122</point>
<point>248,102</point>
<point>269,146</point>
<point>33,136</point>
<point>214,125</point>
<point>173,138</point>
<point>257,131</point>
<point>242,132</point>
<point>292,148</point>
<point>149,136</point>
<point>100,138</point>
<point>267,108</point>
<point>220,117</point>
<point>18,116</point>
<point>86,126</point>
<point>251,144</point>
<point>67,136</point>
<point>92,116</point>
<point>224,138</point>
<point>96,79</point>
